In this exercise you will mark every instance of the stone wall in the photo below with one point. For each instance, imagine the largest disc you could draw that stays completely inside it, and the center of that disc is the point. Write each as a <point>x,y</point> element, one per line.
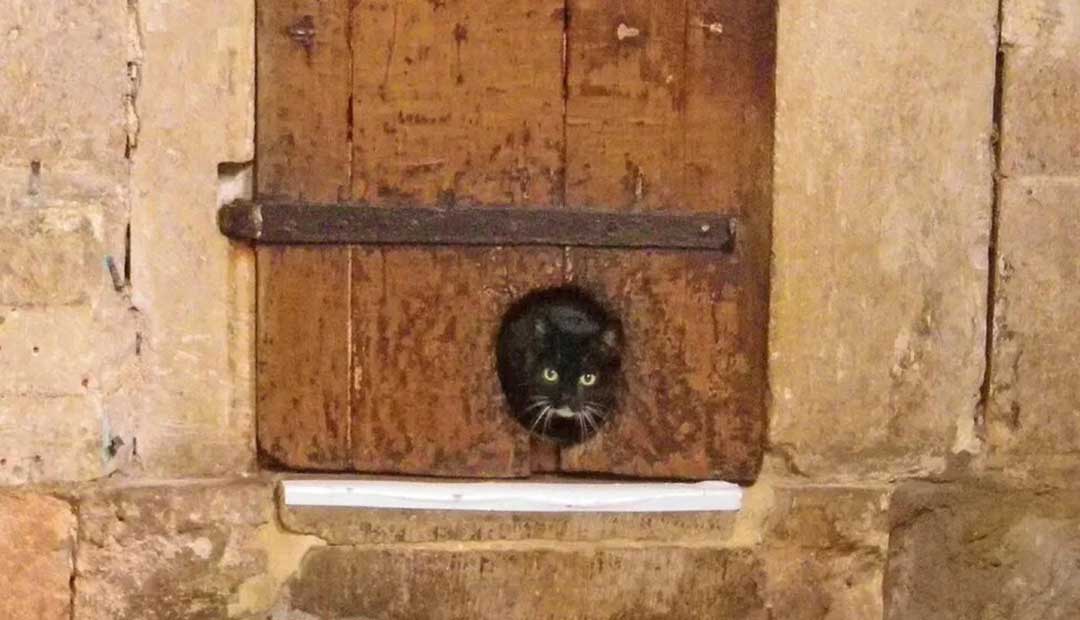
<point>925,409</point>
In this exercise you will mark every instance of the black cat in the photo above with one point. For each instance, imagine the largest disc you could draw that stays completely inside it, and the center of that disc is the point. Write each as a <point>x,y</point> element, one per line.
<point>559,354</point>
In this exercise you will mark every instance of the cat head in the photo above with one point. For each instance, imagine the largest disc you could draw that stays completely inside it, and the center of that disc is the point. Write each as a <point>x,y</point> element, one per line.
<point>565,366</point>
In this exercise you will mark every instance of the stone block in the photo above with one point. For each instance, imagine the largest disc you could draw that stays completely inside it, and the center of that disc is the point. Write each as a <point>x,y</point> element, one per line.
<point>965,553</point>
<point>195,111</point>
<point>37,538</point>
<point>176,552</point>
<point>343,526</point>
<point>528,581</point>
<point>881,222</point>
<point>828,518</point>
<point>1034,418</point>
<point>51,257</point>
<point>63,84</point>
<point>810,584</point>
<point>48,350</point>
<point>1041,90</point>
<point>49,438</point>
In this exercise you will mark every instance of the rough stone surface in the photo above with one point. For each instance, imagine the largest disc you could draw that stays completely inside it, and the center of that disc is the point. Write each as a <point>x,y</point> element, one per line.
<point>883,200</point>
<point>47,350</point>
<point>828,518</point>
<point>50,258</point>
<point>1034,418</point>
<point>806,584</point>
<point>59,103</point>
<point>49,438</point>
<point>351,527</point>
<point>114,118</point>
<point>169,552</point>
<point>1041,90</point>
<point>961,553</point>
<point>195,110</point>
<point>529,582</point>
<point>37,536</point>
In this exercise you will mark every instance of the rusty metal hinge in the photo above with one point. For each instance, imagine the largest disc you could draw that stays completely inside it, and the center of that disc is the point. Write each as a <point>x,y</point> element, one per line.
<point>274,222</point>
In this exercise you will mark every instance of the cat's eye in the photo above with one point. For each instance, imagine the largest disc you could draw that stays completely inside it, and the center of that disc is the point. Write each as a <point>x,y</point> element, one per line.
<point>588,379</point>
<point>550,375</point>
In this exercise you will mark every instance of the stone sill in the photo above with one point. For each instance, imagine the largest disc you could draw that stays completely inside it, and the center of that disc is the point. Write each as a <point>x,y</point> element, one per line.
<point>621,497</point>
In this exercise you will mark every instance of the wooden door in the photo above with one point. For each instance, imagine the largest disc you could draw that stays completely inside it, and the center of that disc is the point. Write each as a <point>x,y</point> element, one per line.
<point>422,164</point>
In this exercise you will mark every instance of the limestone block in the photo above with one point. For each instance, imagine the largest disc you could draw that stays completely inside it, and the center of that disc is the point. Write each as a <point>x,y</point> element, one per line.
<point>63,81</point>
<point>807,584</point>
<point>1041,90</point>
<point>37,535</point>
<point>881,221</point>
<point>962,553</point>
<point>168,552</point>
<point>829,518</point>
<point>47,350</point>
<point>195,111</point>
<point>1034,418</point>
<point>528,582</point>
<point>49,438</point>
<point>49,257</point>
<point>352,527</point>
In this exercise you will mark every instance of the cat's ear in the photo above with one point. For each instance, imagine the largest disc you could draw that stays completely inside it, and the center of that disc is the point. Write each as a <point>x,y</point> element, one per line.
<point>610,338</point>
<point>540,326</point>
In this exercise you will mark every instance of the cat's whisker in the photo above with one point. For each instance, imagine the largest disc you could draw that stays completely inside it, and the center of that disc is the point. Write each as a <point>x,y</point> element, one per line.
<point>540,416</point>
<point>586,417</point>
<point>547,418</point>
<point>542,402</point>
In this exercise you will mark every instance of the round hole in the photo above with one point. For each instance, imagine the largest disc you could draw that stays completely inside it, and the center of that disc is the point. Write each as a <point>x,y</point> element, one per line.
<point>559,354</point>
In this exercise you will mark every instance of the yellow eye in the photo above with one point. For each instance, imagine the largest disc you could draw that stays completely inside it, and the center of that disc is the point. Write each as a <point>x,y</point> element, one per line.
<point>588,379</point>
<point>550,375</point>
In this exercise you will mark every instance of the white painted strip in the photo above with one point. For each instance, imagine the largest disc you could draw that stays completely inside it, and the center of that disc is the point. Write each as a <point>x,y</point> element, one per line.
<point>516,496</point>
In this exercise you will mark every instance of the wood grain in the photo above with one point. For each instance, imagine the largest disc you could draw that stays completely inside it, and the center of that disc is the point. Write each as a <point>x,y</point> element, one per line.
<point>303,357</point>
<point>302,153</point>
<point>302,135</point>
<point>690,407</point>
<point>458,101</point>
<point>379,358</point>
<point>426,395</point>
<point>626,103</point>
<point>730,106</point>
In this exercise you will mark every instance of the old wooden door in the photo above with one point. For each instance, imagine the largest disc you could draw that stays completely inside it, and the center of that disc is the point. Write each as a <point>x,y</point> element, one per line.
<point>530,134</point>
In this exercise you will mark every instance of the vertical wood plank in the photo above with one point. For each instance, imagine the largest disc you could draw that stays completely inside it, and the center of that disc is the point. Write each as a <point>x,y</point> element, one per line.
<point>671,107</point>
<point>426,397</point>
<point>303,88</point>
<point>302,152</point>
<point>730,60</point>
<point>690,406</point>
<point>625,145</point>
<point>303,357</point>
<point>458,101</point>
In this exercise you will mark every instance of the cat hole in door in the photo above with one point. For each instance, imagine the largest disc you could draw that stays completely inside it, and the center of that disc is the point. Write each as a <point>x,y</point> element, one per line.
<point>559,355</point>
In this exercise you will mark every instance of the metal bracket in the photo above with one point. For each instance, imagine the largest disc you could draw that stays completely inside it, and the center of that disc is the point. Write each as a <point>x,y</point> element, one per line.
<point>275,222</point>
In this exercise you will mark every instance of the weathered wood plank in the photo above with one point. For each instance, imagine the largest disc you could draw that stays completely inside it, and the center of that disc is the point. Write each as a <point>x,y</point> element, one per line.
<point>691,406</point>
<point>426,394</point>
<point>303,89</point>
<point>625,143</point>
<point>276,222</point>
<point>730,106</point>
<point>303,303</point>
<point>458,101</point>
<point>303,357</point>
